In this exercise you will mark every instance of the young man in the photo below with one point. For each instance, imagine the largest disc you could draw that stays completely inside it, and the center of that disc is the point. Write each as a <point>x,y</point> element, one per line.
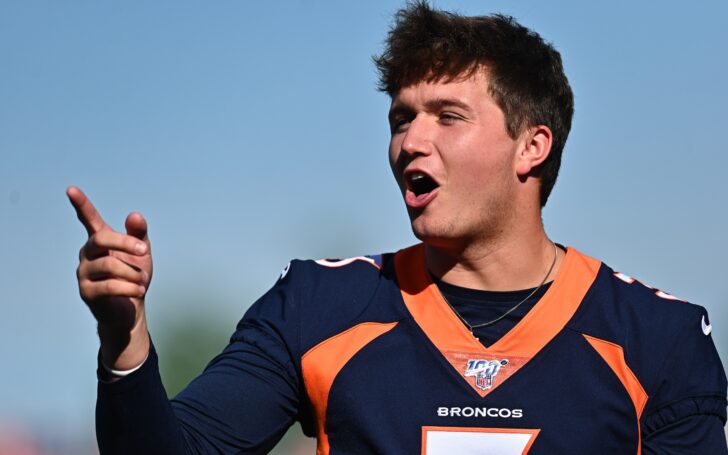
<point>485,338</point>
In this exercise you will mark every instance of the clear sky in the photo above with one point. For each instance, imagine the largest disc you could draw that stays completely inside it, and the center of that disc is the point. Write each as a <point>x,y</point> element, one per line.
<point>251,132</point>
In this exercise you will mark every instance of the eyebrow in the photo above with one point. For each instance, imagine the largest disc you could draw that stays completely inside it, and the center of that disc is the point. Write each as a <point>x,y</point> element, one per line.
<point>437,104</point>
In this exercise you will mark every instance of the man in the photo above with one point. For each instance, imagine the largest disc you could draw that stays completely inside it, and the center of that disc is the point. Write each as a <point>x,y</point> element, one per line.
<point>486,338</point>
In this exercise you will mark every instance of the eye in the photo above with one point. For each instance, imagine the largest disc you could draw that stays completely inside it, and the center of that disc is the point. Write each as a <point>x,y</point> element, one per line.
<point>399,124</point>
<point>449,118</point>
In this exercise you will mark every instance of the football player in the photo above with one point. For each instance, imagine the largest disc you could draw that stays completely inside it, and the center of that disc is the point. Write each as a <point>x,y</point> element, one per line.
<point>486,338</point>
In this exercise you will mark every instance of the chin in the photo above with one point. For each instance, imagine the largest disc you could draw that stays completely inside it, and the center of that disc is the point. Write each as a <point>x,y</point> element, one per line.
<point>433,233</point>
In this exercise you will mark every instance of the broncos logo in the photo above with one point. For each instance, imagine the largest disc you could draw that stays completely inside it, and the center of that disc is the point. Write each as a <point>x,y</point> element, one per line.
<point>484,371</point>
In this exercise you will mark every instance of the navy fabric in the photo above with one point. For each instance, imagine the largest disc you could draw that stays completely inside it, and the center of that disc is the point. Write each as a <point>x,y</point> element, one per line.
<point>476,307</point>
<point>399,383</point>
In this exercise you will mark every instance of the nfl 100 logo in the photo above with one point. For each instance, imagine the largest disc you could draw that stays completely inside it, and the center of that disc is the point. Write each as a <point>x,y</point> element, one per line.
<point>484,371</point>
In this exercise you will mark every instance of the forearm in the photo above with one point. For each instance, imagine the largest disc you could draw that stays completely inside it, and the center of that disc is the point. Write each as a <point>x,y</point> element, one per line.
<point>133,415</point>
<point>243,401</point>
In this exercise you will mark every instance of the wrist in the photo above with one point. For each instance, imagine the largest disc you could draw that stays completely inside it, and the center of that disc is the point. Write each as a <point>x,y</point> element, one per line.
<point>124,350</point>
<point>122,373</point>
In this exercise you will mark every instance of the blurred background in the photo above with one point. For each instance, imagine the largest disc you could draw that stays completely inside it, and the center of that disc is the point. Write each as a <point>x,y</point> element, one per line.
<point>249,133</point>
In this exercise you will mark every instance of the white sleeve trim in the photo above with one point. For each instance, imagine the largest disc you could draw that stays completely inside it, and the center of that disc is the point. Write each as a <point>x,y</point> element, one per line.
<point>122,373</point>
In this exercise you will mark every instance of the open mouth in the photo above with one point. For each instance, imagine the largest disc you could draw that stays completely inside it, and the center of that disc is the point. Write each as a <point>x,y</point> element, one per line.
<point>420,183</point>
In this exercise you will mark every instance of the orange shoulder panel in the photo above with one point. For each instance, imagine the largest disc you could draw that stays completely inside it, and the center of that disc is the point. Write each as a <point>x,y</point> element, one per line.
<point>322,363</point>
<point>613,354</point>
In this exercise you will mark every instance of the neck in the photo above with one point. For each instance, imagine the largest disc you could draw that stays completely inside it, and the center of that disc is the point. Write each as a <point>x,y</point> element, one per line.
<point>506,264</point>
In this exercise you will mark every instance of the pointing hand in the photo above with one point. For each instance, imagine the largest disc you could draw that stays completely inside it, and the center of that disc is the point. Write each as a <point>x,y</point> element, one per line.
<point>114,273</point>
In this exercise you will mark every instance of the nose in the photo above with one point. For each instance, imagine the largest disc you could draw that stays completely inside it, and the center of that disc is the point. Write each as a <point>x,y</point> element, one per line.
<point>417,139</point>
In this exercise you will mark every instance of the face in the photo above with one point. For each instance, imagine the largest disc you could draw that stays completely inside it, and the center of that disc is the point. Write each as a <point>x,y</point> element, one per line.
<point>453,160</point>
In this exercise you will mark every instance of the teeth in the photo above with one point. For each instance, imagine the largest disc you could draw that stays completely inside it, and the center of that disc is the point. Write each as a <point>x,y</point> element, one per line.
<point>417,176</point>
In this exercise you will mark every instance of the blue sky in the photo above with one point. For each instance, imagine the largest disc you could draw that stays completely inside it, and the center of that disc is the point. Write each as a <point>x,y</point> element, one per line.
<point>249,133</point>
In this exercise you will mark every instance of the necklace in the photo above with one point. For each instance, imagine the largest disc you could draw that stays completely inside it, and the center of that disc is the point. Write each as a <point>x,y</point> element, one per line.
<point>513,308</point>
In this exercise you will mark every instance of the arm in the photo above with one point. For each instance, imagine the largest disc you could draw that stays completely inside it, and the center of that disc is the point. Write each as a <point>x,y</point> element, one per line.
<point>696,434</point>
<point>244,401</point>
<point>687,413</point>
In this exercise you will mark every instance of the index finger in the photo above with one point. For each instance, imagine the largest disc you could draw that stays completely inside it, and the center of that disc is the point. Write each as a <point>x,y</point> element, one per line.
<point>85,210</point>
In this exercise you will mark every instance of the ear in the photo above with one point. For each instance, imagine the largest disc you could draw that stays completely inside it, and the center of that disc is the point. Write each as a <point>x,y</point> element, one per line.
<point>535,148</point>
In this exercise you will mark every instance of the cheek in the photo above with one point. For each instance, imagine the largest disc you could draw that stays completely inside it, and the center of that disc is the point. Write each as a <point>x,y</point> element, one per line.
<point>394,155</point>
<point>481,173</point>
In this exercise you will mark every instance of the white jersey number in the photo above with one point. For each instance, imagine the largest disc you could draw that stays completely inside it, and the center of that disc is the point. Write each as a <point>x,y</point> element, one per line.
<point>476,441</point>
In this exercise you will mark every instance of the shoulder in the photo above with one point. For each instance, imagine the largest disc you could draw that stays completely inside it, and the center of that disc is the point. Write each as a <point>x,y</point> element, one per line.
<point>665,341</point>
<point>323,282</point>
<point>641,320</point>
<point>624,304</point>
<point>619,305</point>
<point>329,296</point>
<point>328,272</point>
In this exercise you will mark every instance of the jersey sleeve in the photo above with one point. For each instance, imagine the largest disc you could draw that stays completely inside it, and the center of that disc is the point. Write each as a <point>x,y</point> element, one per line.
<point>243,402</point>
<point>687,411</point>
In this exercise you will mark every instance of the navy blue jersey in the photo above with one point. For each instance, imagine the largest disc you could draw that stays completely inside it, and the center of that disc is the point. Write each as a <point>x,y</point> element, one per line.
<point>368,356</point>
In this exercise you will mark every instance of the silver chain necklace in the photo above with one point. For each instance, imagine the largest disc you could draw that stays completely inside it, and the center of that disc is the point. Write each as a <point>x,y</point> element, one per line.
<point>513,308</point>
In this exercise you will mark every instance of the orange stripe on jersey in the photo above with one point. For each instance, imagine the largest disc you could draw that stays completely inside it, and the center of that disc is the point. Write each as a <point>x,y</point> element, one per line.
<point>613,354</point>
<point>540,325</point>
<point>322,363</point>
<point>549,316</point>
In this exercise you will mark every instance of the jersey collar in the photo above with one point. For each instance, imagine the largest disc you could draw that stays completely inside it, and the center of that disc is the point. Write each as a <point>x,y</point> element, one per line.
<point>517,347</point>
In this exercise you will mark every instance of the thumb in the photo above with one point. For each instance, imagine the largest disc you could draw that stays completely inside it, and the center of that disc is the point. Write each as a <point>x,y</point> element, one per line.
<point>136,226</point>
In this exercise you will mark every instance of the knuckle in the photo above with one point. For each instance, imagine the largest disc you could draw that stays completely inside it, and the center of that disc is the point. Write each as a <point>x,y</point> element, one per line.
<point>86,290</point>
<point>94,238</point>
<point>103,238</point>
<point>83,270</point>
<point>106,264</point>
<point>129,243</point>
